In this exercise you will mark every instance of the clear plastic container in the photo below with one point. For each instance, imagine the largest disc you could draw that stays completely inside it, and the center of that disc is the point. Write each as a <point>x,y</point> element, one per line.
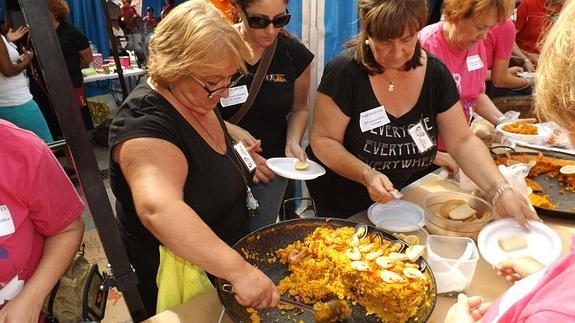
<point>453,261</point>
<point>439,225</point>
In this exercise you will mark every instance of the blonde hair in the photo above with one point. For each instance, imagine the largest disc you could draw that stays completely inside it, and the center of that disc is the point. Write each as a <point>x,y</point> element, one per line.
<point>455,10</point>
<point>383,20</point>
<point>195,38</point>
<point>59,8</point>
<point>555,80</point>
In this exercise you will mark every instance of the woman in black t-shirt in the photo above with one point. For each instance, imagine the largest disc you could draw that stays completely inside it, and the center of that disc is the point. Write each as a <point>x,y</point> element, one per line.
<point>279,114</point>
<point>379,109</point>
<point>77,53</point>
<point>177,179</point>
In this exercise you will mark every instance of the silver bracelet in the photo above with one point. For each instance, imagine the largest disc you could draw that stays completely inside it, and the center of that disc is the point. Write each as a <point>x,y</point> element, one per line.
<point>500,190</point>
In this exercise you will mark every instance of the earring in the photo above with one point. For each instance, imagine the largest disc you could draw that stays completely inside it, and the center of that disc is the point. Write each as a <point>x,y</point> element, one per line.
<point>366,42</point>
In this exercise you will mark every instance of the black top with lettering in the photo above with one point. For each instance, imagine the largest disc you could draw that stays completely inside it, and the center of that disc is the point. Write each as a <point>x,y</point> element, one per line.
<point>389,148</point>
<point>267,118</point>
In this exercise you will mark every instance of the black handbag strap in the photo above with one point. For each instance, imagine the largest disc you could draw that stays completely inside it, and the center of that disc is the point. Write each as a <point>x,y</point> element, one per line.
<point>256,84</point>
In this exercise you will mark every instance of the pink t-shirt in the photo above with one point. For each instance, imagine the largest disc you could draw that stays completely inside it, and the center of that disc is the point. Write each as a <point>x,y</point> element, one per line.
<point>37,200</point>
<point>468,67</point>
<point>499,42</point>
<point>551,298</point>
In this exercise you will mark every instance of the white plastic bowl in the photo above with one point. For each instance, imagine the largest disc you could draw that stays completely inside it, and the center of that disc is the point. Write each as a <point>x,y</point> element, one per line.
<point>537,139</point>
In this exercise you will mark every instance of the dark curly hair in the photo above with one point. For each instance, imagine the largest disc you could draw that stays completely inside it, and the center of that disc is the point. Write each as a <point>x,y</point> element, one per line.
<point>59,8</point>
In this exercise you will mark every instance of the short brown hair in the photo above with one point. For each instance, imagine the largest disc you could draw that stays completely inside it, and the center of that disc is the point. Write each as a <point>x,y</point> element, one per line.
<point>455,10</point>
<point>59,8</point>
<point>383,20</point>
<point>195,38</point>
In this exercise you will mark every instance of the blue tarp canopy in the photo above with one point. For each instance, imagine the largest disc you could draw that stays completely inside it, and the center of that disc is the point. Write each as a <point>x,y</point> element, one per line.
<point>340,22</point>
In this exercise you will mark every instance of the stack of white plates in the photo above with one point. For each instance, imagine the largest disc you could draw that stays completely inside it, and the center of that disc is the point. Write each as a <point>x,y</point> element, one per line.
<point>396,216</point>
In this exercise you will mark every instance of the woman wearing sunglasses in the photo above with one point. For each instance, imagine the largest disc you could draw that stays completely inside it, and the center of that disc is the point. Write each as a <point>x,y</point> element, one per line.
<point>178,181</point>
<point>379,108</point>
<point>278,115</point>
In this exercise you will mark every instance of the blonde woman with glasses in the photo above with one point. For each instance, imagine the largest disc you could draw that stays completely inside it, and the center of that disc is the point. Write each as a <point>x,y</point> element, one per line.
<point>179,181</point>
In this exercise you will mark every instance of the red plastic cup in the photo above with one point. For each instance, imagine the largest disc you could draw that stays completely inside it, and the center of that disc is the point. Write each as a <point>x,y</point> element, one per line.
<point>125,61</point>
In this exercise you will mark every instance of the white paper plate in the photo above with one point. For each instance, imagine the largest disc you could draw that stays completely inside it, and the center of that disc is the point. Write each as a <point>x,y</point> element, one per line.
<point>396,216</point>
<point>543,244</point>
<point>528,75</point>
<point>285,167</point>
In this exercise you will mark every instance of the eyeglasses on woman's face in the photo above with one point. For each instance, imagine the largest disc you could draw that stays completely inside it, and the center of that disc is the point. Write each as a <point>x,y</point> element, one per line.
<point>215,92</point>
<point>260,22</point>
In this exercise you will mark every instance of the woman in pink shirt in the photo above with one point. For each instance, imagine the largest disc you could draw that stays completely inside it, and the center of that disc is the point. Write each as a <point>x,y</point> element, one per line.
<point>541,294</point>
<point>499,42</point>
<point>457,41</point>
<point>40,223</point>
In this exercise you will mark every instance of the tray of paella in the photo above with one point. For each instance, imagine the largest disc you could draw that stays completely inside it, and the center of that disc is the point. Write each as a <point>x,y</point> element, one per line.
<point>553,193</point>
<point>313,260</point>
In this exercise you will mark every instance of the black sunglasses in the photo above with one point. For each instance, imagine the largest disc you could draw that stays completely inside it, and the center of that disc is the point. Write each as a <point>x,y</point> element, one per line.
<point>259,22</point>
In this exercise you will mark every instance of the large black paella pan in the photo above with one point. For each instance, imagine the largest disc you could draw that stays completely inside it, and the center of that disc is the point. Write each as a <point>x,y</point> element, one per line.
<point>262,245</point>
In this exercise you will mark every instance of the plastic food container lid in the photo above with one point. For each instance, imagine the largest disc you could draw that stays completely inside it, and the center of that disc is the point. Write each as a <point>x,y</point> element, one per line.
<point>396,216</point>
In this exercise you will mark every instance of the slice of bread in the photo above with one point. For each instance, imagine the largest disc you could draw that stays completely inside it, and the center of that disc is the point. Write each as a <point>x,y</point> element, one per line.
<point>449,206</point>
<point>299,165</point>
<point>462,212</point>
<point>513,242</point>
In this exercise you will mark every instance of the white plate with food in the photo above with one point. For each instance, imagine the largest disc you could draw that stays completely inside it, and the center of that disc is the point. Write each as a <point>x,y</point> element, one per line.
<point>505,238</point>
<point>531,133</point>
<point>527,75</point>
<point>290,167</point>
<point>396,216</point>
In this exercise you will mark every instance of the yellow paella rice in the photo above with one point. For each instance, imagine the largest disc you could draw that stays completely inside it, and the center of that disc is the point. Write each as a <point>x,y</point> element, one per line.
<point>369,271</point>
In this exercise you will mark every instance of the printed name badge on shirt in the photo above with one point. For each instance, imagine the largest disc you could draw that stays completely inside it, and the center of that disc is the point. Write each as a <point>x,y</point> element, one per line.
<point>245,156</point>
<point>420,137</point>
<point>6,222</point>
<point>474,62</point>
<point>373,118</point>
<point>11,289</point>
<point>238,95</point>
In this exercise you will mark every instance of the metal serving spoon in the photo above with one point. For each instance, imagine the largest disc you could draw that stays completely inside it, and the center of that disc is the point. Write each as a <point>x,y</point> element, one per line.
<point>332,311</point>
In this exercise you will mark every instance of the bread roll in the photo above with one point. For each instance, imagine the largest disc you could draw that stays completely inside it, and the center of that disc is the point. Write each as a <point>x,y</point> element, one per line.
<point>513,242</point>
<point>299,165</point>
<point>462,212</point>
<point>448,207</point>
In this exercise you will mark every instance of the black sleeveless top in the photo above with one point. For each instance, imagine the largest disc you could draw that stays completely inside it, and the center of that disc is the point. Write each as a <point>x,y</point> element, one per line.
<point>213,187</point>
